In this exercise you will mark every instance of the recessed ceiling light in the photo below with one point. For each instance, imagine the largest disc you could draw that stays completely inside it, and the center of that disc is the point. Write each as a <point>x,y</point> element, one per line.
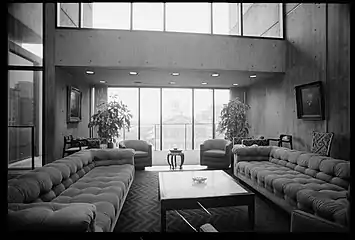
<point>215,74</point>
<point>90,72</point>
<point>171,83</point>
<point>133,73</point>
<point>175,74</point>
<point>102,81</point>
<point>203,83</point>
<point>252,76</point>
<point>235,84</point>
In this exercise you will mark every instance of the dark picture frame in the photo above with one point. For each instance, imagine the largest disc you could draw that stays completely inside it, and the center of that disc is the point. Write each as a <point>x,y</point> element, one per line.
<point>310,101</point>
<point>73,105</point>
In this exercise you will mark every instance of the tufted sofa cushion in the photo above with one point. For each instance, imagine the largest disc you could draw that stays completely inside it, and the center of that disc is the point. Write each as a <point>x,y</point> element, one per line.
<point>98,177</point>
<point>306,181</point>
<point>51,217</point>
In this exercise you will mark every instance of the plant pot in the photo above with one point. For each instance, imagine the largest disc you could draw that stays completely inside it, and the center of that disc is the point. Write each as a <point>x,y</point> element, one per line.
<point>110,145</point>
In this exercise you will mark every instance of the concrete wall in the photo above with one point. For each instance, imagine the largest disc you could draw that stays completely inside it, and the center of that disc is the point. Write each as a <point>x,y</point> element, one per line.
<point>62,128</point>
<point>120,48</point>
<point>316,51</point>
<point>239,92</point>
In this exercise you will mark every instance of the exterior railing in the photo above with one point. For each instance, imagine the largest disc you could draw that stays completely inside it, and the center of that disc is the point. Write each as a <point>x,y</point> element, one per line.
<point>10,161</point>
<point>178,135</point>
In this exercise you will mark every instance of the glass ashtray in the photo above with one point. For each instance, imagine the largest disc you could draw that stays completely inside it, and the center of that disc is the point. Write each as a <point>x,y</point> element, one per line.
<point>199,179</point>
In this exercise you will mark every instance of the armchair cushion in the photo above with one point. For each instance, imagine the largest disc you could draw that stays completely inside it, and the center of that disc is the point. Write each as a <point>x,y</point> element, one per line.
<point>137,145</point>
<point>214,153</point>
<point>139,154</point>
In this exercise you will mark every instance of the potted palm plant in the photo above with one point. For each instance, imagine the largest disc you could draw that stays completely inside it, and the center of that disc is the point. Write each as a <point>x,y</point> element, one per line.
<point>233,120</point>
<point>110,118</point>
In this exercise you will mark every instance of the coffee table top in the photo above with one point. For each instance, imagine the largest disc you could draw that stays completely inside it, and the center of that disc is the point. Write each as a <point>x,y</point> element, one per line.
<point>177,185</point>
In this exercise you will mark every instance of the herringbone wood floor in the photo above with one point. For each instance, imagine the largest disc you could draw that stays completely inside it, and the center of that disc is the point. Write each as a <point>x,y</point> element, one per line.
<point>141,212</point>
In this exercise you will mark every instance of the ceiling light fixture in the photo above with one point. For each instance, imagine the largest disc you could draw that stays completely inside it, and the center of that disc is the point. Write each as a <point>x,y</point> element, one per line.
<point>235,84</point>
<point>171,83</point>
<point>133,73</point>
<point>175,74</point>
<point>90,72</point>
<point>102,81</point>
<point>215,74</point>
<point>252,76</point>
<point>203,83</point>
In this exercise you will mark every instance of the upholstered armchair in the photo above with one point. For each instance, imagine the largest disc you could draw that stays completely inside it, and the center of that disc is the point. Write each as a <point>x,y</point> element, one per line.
<point>143,152</point>
<point>216,153</point>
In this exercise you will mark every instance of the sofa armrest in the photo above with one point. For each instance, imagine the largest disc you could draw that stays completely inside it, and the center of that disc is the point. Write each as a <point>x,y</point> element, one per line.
<point>73,217</point>
<point>306,222</point>
<point>150,150</point>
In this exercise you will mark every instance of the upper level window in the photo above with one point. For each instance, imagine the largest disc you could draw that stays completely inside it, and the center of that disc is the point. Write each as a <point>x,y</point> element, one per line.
<point>25,34</point>
<point>68,14</point>
<point>222,18</point>
<point>108,16</point>
<point>262,20</point>
<point>226,18</point>
<point>148,16</point>
<point>188,17</point>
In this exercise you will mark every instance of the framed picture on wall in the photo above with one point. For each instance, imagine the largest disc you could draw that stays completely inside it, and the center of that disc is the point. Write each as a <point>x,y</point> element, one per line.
<point>309,101</point>
<point>74,105</point>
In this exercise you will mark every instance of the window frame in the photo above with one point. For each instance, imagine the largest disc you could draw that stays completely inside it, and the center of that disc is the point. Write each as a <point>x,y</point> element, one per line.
<point>281,21</point>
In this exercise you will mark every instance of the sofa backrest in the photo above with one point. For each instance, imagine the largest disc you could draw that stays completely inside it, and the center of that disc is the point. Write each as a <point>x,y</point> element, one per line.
<point>46,183</point>
<point>105,157</point>
<point>215,144</point>
<point>138,145</point>
<point>335,171</point>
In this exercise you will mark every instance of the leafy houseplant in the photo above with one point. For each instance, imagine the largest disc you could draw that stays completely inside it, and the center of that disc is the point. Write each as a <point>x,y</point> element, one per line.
<point>110,119</point>
<point>233,120</point>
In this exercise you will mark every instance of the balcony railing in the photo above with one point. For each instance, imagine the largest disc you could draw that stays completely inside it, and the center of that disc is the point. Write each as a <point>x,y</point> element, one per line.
<point>178,135</point>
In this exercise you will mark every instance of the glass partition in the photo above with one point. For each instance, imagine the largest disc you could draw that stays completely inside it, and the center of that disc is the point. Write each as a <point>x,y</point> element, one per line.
<point>262,20</point>
<point>203,113</point>
<point>148,16</point>
<point>177,118</point>
<point>128,96</point>
<point>150,116</point>
<point>25,84</point>
<point>226,18</point>
<point>188,17</point>
<point>221,97</point>
<point>222,18</point>
<point>109,16</point>
<point>68,15</point>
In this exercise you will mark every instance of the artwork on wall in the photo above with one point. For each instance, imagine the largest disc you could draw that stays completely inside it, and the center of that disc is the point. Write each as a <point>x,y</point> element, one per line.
<point>309,101</point>
<point>73,105</point>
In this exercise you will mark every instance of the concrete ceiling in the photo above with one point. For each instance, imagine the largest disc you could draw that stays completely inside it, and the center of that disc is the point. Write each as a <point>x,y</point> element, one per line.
<point>162,77</point>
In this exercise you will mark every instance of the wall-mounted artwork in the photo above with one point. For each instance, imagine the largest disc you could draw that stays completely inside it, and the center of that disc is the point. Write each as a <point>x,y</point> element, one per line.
<point>309,101</point>
<point>74,105</point>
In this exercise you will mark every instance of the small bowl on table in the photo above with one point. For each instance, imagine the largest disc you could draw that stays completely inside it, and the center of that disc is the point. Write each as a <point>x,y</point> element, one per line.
<point>199,179</point>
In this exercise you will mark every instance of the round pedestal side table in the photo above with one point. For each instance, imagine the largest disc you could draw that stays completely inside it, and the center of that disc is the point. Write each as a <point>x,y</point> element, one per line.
<point>171,158</point>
